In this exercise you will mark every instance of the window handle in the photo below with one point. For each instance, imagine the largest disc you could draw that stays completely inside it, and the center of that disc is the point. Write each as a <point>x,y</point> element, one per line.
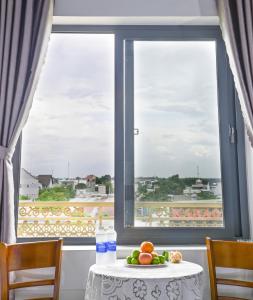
<point>232,134</point>
<point>136,131</point>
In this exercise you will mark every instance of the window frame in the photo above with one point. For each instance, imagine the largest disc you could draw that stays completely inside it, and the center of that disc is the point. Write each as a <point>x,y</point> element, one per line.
<point>238,224</point>
<point>233,217</point>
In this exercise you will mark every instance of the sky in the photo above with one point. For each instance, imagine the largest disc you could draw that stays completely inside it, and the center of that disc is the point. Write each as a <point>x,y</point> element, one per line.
<point>175,102</point>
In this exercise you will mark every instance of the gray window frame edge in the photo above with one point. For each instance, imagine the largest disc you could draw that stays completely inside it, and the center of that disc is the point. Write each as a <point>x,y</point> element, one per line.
<point>238,209</point>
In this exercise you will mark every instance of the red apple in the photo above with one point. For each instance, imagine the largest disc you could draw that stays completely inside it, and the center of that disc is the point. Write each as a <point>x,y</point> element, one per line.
<point>145,258</point>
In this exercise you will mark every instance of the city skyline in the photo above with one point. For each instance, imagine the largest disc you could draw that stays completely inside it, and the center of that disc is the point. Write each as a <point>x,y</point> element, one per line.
<point>196,176</point>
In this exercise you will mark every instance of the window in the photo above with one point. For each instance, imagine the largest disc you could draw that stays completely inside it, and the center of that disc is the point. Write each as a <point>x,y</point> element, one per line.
<point>165,96</point>
<point>68,141</point>
<point>180,163</point>
<point>176,140</point>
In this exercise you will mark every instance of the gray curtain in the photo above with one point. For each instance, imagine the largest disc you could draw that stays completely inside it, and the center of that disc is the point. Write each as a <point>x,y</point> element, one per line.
<point>25,27</point>
<point>236,20</point>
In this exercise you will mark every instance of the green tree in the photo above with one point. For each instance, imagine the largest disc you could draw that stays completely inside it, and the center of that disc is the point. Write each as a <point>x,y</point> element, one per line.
<point>80,186</point>
<point>58,193</point>
<point>206,196</point>
<point>23,197</point>
<point>107,181</point>
<point>173,185</point>
<point>142,189</point>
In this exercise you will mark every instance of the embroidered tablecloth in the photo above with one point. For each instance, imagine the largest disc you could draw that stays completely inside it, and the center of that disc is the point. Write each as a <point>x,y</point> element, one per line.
<point>118,282</point>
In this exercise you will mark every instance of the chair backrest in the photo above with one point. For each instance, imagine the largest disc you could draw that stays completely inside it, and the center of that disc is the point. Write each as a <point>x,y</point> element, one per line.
<point>35,255</point>
<point>228,254</point>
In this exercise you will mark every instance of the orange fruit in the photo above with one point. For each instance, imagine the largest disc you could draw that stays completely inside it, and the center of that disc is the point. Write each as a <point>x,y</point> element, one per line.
<point>147,247</point>
<point>145,258</point>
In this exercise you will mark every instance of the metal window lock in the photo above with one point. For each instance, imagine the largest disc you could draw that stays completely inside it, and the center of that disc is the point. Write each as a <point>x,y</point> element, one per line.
<point>232,134</point>
<point>136,131</point>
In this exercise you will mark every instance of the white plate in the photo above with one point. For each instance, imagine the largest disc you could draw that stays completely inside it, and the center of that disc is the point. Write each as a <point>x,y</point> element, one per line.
<point>147,266</point>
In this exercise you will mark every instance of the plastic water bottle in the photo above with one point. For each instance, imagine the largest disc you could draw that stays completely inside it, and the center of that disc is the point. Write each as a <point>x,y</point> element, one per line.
<point>101,246</point>
<point>111,246</point>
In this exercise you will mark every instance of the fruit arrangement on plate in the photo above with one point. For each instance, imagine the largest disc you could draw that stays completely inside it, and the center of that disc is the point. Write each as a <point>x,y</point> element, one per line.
<point>146,255</point>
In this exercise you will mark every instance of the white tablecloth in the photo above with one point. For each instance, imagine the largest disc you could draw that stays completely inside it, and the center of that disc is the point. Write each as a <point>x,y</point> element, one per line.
<point>118,282</point>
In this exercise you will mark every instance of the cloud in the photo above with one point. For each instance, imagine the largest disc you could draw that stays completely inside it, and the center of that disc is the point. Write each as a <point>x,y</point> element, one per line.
<point>200,150</point>
<point>72,118</point>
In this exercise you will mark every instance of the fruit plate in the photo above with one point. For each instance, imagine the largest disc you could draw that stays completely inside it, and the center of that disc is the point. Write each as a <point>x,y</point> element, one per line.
<point>147,266</point>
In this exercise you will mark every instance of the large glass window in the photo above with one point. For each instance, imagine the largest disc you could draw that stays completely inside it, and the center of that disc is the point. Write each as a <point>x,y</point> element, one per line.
<point>67,175</point>
<point>180,167</point>
<point>176,145</point>
<point>134,127</point>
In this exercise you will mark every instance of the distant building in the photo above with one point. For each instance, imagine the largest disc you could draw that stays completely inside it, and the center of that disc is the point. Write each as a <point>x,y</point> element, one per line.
<point>199,186</point>
<point>82,180</point>
<point>195,189</point>
<point>151,184</point>
<point>102,189</point>
<point>68,182</point>
<point>90,181</point>
<point>46,181</point>
<point>216,188</point>
<point>29,185</point>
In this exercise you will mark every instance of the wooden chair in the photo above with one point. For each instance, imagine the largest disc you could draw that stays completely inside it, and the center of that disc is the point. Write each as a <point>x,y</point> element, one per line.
<point>15,257</point>
<point>228,254</point>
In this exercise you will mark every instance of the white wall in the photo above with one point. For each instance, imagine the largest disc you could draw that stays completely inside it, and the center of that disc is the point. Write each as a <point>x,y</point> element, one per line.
<point>135,8</point>
<point>29,186</point>
<point>135,12</point>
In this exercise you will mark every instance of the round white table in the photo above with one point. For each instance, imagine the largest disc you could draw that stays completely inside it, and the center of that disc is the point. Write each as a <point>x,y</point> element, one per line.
<point>118,282</point>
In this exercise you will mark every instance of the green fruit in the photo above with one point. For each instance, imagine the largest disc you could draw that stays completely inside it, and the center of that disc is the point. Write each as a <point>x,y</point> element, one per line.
<point>129,260</point>
<point>134,261</point>
<point>166,255</point>
<point>155,261</point>
<point>162,259</point>
<point>135,253</point>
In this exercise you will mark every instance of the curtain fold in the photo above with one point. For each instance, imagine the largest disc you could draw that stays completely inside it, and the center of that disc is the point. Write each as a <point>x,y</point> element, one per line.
<point>25,27</point>
<point>236,17</point>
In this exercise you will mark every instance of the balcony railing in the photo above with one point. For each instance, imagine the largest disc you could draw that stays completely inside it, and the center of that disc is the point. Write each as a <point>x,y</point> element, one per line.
<point>206,213</point>
<point>80,219</point>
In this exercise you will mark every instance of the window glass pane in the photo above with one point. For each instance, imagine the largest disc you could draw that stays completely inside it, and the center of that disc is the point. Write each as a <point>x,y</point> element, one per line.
<point>67,177</point>
<point>176,144</point>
